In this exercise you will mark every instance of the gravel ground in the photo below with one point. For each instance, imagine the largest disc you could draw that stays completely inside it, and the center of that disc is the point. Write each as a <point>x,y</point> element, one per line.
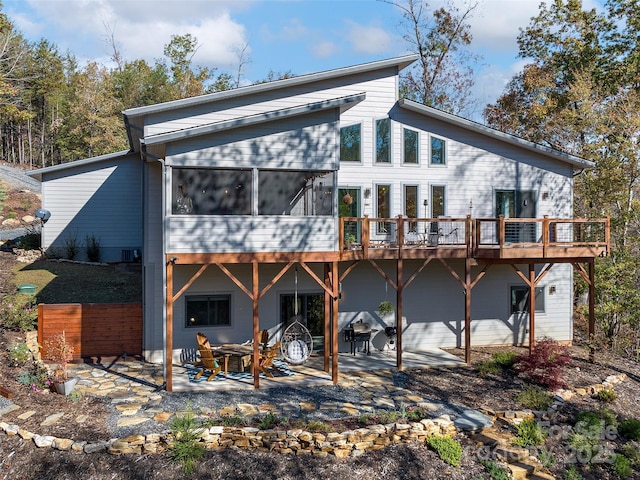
<point>19,179</point>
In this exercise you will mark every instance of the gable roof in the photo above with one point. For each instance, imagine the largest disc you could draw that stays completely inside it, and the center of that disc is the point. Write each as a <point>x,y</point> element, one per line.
<point>37,174</point>
<point>493,133</point>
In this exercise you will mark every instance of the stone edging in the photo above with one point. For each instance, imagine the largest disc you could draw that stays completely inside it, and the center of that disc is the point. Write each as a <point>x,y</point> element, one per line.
<point>300,442</point>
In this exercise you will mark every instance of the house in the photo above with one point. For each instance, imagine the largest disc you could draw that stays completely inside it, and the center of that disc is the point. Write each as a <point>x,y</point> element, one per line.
<point>323,195</point>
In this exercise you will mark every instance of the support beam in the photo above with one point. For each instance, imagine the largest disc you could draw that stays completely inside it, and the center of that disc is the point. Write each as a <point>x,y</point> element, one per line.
<point>400,287</point>
<point>467,310</point>
<point>169,329</point>
<point>592,308</point>
<point>532,306</point>
<point>334,323</point>
<point>256,324</point>
<point>327,317</point>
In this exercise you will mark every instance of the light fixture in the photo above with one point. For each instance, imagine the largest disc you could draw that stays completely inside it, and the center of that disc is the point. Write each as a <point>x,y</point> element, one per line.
<point>552,289</point>
<point>43,215</point>
<point>173,259</point>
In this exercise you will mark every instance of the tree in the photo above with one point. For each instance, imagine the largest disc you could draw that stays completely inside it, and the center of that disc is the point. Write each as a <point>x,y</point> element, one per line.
<point>186,82</point>
<point>444,75</point>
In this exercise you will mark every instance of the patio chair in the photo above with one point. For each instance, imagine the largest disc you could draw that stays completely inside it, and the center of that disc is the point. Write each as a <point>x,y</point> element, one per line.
<point>208,359</point>
<point>265,362</point>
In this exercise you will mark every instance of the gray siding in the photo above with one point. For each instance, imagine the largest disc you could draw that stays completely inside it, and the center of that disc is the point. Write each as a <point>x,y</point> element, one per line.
<point>103,199</point>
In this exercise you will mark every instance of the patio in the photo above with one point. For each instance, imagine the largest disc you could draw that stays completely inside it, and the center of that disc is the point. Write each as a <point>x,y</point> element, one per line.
<point>312,373</point>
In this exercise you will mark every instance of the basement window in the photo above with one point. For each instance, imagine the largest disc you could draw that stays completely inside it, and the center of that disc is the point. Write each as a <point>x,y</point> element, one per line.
<point>208,310</point>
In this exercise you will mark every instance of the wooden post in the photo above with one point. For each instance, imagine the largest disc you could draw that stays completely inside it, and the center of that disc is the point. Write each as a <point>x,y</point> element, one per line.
<point>335,278</point>
<point>467,310</point>
<point>545,235</point>
<point>399,286</point>
<point>400,239</point>
<point>365,237</point>
<point>592,308</point>
<point>327,317</point>
<point>532,307</point>
<point>501,233</point>
<point>256,324</point>
<point>169,329</point>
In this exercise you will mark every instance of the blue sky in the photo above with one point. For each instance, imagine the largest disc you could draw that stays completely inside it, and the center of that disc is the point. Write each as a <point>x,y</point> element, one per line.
<point>302,36</point>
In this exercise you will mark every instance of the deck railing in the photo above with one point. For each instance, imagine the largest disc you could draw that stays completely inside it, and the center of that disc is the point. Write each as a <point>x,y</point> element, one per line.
<point>472,236</point>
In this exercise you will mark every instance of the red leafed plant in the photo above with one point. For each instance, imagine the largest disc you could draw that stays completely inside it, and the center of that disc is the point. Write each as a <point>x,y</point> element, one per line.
<point>545,364</point>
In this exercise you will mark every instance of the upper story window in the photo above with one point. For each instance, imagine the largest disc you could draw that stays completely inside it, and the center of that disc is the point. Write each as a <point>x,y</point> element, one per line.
<point>350,143</point>
<point>438,151</point>
<point>411,141</point>
<point>297,193</point>
<point>383,140</point>
<point>205,191</point>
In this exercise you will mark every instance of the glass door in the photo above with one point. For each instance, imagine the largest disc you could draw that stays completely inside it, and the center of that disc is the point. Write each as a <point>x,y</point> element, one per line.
<point>349,206</point>
<point>311,309</point>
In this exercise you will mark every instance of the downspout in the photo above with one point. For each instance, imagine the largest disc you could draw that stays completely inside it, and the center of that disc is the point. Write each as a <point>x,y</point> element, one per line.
<point>143,151</point>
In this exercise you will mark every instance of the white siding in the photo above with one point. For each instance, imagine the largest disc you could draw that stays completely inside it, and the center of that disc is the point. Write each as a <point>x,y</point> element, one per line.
<point>251,234</point>
<point>380,86</point>
<point>102,199</point>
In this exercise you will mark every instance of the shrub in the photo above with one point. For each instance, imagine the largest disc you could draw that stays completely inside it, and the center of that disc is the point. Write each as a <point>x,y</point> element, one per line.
<point>317,426</point>
<point>186,448</point>
<point>71,247</point>
<point>535,398</point>
<point>448,449</point>
<point>233,421</point>
<point>488,367</point>
<point>621,466</point>
<point>495,471</point>
<point>631,450</point>
<point>572,473</point>
<point>26,378</point>
<point>29,241</point>
<point>630,429</point>
<point>529,433</point>
<point>19,354</point>
<point>607,395</point>
<point>269,421</point>
<point>92,246</point>
<point>18,312</point>
<point>546,458</point>
<point>545,364</point>
<point>504,360</point>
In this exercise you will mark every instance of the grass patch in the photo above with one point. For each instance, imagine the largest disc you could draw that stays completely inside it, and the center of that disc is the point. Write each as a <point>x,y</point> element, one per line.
<point>621,466</point>
<point>534,397</point>
<point>572,473</point>
<point>630,429</point>
<point>448,449</point>
<point>495,471</point>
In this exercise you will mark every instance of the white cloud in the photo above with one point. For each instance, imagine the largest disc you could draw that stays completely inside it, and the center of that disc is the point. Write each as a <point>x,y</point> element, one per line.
<point>368,39</point>
<point>324,49</point>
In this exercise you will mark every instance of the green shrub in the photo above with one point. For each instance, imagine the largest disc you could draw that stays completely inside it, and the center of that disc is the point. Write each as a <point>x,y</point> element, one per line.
<point>535,398</point>
<point>631,450</point>
<point>186,448</point>
<point>547,459</point>
<point>25,377</point>
<point>314,426</point>
<point>19,354</point>
<point>29,241</point>
<point>590,418</point>
<point>545,364</point>
<point>18,312</point>
<point>572,473</point>
<point>233,421</point>
<point>621,466</point>
<point>529,433</point>
<point>71,247</point>
<point>488,367</point>
<point>495,471</point>
<point>607,395</point>
<point>92,248</point>
<point>447,448</point>
<point>630,429</point>
<point>504,360</point>
<point>269,421</point>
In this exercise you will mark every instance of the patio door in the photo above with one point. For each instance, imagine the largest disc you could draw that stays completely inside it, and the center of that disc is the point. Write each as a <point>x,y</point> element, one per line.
<point>517,204</point>
<point>311,308</point>
<point>349,206</point>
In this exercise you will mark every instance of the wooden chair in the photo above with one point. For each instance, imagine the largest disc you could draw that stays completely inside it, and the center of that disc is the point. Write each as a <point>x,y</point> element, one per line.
<point>264,338</point>
<point>265,362</point>
<point>208,359</point>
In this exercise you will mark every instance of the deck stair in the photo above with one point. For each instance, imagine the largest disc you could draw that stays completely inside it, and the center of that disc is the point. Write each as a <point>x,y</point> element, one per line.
<point>498,445</point>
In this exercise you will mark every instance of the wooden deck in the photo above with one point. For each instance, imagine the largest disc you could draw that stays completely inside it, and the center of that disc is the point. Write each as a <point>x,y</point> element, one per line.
<point>482,239</point>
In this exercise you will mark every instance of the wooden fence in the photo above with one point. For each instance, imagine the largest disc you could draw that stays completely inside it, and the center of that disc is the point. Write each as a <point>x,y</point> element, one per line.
<point>94,330</point>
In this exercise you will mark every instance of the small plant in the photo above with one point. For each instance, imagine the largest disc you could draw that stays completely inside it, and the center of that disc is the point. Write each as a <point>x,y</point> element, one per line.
<point>349,238</point>
<point>269,421</point>
<point>448,449</point>
<point>630,429</point>
<point>608,395</point>
<point>385,307</point>
<point>545,364</point>
<point>186,448</point>
<point>19,354</point>
<point>487,367</point>
<point>314,426</point>
<point>535,398</point>
<point>92,248</point>
<point>631,450</point>
<point>572,473</point>
<point>18,312</point>
<point>26,378</point>
<point>621,466</point>
<point>71,247</point>
<point>389,416</point>
<point>504,360</point>
<point>30,240</point>
<point>60,352</point>
<point>547,459</point>
<point>495,471</point>
<point>232,421</point>
<point>529,433</point>
<point>75,396</point>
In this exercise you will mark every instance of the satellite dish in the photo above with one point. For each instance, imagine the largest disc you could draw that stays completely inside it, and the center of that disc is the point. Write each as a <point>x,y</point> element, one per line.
<point>43,214</point>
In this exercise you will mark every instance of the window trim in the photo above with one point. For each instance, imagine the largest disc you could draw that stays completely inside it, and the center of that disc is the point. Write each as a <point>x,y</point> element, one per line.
<point>431,202</point>
<point>445,153</point>
<point>382,228</point>
<point>375,141</point>
<point>412,225</point>
<point>404,151</point>
<point>360,153</point>
<point>220,295</point>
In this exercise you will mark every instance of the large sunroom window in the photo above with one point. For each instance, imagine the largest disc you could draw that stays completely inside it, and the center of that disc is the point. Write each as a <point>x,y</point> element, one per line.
<point>201,191</point>
<point>297,193</point>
